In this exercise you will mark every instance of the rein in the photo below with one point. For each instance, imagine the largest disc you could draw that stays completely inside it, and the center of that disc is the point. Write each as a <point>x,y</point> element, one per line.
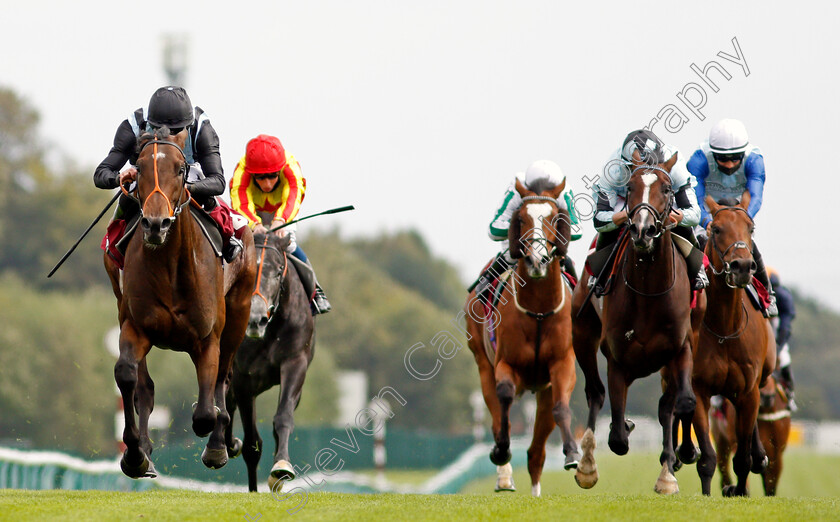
<point>173,212</point>
<point>723,338</point>
<point>265,246</point>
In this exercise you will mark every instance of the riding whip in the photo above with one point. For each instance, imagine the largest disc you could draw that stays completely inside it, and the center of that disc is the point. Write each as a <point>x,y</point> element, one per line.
<point>95,221</point>
<point>331,211</point>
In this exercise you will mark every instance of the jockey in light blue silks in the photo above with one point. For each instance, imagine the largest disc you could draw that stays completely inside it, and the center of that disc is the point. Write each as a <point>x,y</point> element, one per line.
<point>611,214</point>
<point>727,165</point>
<point>510,203</point>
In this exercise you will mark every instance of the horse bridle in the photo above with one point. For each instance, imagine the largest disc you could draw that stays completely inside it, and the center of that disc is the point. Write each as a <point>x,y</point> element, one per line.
<point>265,246</point>
<point>727,268</point>
<point>552,252</point>
<point>659,217</point>
<point>173,211</point>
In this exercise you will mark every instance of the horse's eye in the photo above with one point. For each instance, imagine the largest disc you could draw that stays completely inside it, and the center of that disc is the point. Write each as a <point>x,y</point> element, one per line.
<point>715,230</point>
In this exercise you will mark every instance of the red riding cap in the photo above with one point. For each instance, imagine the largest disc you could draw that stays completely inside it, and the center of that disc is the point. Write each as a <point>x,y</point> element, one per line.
<point>264,154</point>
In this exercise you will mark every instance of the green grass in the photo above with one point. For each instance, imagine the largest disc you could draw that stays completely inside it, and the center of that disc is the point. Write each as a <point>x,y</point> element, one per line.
<point>805,474</point>
<point>808,491</point>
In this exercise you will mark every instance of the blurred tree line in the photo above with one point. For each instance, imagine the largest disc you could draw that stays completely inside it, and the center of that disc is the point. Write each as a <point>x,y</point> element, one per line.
<point>389,293</point>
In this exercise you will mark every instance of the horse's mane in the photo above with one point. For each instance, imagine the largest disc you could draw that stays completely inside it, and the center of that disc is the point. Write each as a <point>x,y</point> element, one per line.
<point>541,185</point>
<point>160,133</point>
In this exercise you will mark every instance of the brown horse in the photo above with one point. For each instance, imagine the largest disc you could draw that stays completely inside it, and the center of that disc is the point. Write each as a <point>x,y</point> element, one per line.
<point>642,325</point>
<point>174,293</point>
<point>736,350</point>
<point>532,325</point>
<point>773,429</point>
<point>277,350</point>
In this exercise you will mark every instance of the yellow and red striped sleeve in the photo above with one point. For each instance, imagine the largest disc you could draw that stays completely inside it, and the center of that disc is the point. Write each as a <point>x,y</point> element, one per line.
<point>293,190</point>
<point>240,199</point>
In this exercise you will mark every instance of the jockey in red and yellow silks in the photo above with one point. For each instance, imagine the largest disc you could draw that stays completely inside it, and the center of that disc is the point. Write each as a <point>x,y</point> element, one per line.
<point>284,201</point>
<point>267,188</point>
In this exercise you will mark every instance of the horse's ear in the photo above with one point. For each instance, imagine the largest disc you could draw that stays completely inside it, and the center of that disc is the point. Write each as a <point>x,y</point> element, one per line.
<point>637,158</point>
<point>710,202</point>
<point>514,232</point>
<point>745,200</point>
<point>520,187</point>
<point>556,191</point>
<point>671,162</point>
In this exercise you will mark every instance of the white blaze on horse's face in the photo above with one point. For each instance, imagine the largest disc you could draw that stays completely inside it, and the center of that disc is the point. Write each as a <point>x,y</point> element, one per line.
<point>540,214</point>
<point>648,179</point>
<point>159,156</point>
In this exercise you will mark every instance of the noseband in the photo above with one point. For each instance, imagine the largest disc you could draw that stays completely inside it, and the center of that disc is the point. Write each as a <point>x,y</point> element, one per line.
<point>173,212</point>
<point>727,268</point>
<point>659,217</point>
<point>553,251</point>
<point>265,246</point>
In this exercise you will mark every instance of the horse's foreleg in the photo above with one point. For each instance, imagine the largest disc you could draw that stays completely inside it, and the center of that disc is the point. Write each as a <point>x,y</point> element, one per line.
<point>252,444</point>
<point>144,402</point>
<point>292,375</point>
<point>723,431</point>
<point>586,332</point>
<point>563,380</point>
<point>505,391</point>
<point>618,439</point>
<point>543,426</point>
<point>233,444</point>
<point>745,428</point>
<point>133,348</point>
<point>206,361</point>
<point>666,484</point>
<point>706,463</point>
<point>487,378</point>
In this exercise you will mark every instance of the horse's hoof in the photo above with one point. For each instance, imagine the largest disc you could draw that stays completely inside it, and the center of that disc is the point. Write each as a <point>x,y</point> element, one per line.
<point>678,465</point>
<point>504,478</point>
<point>214,458</point>
<point>618,445</point>
<point>536,491</point>
<point>500,457</point>
<point>666,484</point>
<point>759,465</point>
<point>732,491</point>
<point>688,456</point>
<point>235,450</point>
<point>135,471</point>
<point>151,472</point>
<point>280,473</point>
<point>586,475</point>
<point>572,460</point>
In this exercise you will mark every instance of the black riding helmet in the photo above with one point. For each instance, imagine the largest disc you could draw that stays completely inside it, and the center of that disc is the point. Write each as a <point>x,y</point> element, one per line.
<point>170,106</point>
<point>647,143</point>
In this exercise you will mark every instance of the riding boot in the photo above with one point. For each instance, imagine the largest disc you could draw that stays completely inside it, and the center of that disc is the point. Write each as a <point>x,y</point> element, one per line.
<point>599,259</point>
<point>693,257</point>
<point>499,266</point>
<point>761,275</point>
<point>318,299</point>
<point>786,380</point>
<point>232,248</point>
<point>569,267</point>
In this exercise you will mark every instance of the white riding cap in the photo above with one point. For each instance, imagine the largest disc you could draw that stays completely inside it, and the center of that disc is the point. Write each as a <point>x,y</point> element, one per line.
<point>544,169</point>
<point>728,137</point>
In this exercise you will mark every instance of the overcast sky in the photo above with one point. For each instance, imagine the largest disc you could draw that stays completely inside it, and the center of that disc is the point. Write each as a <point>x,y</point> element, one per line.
<point>420,113</point>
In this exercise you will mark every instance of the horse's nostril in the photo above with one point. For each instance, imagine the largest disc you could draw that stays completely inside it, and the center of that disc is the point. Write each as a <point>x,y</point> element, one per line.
<point>263,321</point>
<point>165,224</point>
<point>650,231</point>
<point>144,222</point>
<point>753,266</point>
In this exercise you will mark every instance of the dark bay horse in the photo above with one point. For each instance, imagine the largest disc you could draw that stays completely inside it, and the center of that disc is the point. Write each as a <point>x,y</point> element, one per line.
<point>642,325</point>
<point>174,293</point>
<point>277,350</point>
<point>773,429</point>
<point>532,326</point>
<point>736,351</point>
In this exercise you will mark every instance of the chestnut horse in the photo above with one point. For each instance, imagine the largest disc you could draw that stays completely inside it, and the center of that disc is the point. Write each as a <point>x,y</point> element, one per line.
<point>533,329</point>
<point>642,325</point>
<point>773,429</point>
<point>175,294</point>
<point>277,350</point>
<point>736,350</point>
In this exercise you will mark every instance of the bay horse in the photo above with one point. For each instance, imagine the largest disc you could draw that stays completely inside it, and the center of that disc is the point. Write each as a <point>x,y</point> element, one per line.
<point>773,429</point>
<point>533,332</point>
<point>277,350</point>
<point>174,293</point>
<point>643,325</point>
<point>736,352</point>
